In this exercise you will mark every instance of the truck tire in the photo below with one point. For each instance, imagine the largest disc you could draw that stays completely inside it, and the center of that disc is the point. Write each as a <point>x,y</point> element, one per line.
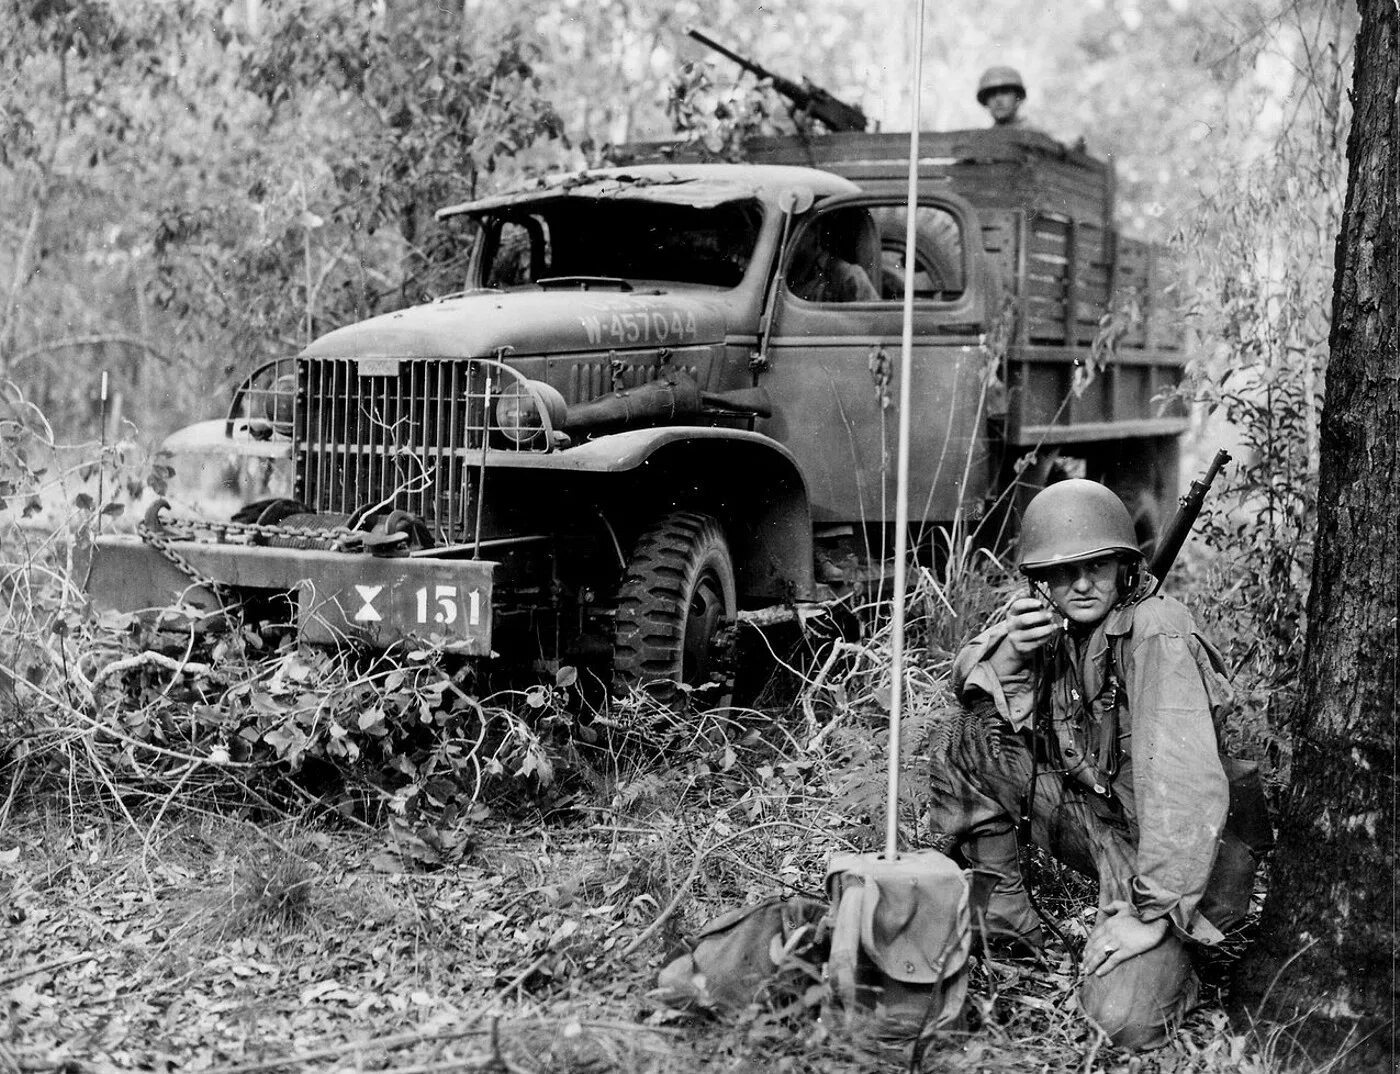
<point>677,595</point>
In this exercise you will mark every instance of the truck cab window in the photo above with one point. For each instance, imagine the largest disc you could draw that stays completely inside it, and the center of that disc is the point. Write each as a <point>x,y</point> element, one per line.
<point>520,253</point>
<point>939,274</point>
<point>628,238</point>
<point>836,258</point>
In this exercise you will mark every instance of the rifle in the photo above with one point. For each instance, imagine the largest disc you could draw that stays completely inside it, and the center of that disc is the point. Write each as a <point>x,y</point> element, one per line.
<point>834,113</point>
<point>1187,511</point>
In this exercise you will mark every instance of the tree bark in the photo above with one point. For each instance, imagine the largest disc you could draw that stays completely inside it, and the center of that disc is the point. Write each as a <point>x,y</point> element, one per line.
<point>1323,971</point>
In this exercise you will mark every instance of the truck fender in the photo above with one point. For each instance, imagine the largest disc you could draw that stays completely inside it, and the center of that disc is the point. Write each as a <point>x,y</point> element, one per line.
<point>216,437</point>
<point>761,496</point>
<point>750,480</point>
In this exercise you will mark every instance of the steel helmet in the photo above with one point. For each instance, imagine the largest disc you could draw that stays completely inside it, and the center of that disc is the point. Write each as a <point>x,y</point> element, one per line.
<point>999,78</point>
<point>1071,521</point>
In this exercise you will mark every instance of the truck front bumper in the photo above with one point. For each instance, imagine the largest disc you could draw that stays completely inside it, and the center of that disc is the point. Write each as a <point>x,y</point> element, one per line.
<point>339,596</point>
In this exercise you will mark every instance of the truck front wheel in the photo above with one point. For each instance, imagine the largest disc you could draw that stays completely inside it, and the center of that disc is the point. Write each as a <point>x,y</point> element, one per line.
<point>677,595</point>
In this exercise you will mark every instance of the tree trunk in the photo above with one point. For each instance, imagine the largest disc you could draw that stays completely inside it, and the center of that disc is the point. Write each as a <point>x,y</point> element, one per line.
<point>1324,967</point>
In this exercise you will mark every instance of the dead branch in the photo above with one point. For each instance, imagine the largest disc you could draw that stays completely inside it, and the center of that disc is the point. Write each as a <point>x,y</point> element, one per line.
<point>131,663</point>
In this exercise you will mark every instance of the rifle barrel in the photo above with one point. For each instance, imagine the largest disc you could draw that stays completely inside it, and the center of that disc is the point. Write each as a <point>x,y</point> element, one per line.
<point>1221,458</point>
<point>1179,528</point>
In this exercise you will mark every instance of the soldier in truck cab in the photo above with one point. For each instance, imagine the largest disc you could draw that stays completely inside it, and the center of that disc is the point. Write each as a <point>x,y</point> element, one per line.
<point>1001,92</point>
<point>1089,723</point>
<point>829,261</point>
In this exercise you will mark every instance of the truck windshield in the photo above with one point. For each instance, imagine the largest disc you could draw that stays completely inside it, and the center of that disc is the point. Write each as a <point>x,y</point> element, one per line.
<point>623,238</point>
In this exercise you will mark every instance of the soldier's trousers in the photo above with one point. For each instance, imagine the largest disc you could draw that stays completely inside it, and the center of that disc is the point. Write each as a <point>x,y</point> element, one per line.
<point>979,779</point>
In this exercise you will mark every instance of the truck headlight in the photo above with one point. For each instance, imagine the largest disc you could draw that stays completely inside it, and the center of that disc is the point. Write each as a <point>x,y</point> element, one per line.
<point>518,415</point>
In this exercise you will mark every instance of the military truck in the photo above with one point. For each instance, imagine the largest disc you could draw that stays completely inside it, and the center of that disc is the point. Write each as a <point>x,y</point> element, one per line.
<point>663,403</point>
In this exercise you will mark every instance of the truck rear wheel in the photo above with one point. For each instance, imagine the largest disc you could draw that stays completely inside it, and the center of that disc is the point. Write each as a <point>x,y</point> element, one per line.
<point>677,595</point>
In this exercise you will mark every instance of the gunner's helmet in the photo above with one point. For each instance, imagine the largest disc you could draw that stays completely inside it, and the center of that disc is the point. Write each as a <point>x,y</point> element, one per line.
<point>999,78</point>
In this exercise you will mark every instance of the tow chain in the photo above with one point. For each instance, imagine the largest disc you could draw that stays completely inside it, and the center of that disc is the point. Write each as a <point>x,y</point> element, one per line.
<point>162,535</point>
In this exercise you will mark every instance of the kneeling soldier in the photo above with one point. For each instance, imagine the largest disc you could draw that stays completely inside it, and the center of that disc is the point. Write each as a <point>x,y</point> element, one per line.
<point>1090,717</point>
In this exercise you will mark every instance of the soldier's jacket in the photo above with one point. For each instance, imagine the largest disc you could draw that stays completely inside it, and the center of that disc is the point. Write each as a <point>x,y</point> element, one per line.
<point>1153,694</point>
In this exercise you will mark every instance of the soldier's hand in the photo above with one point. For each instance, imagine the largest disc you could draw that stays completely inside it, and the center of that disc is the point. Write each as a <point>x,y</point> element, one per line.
<point>1030,625</point>
<point>1120,935</point>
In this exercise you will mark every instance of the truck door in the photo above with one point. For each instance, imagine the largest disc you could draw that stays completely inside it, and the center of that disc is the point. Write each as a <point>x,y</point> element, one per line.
<point>834,354</point>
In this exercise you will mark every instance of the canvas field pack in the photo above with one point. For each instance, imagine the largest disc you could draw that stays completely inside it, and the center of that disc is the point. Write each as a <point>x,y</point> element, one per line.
<point>891,944</point>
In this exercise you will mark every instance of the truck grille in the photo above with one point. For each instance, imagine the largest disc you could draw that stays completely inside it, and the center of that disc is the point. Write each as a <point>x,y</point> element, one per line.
<point>397,434</point>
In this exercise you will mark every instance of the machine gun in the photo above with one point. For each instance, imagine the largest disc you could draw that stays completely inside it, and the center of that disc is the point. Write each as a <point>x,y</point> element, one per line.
<point>834,113</point>
<point>1180,526</point>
